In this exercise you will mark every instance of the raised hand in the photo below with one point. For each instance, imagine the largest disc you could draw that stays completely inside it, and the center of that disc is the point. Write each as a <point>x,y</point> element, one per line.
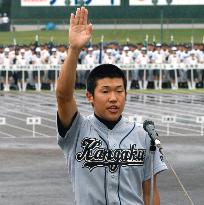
<point>80,31</point>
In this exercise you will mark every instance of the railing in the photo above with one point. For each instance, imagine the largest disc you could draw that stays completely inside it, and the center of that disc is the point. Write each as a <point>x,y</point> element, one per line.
<point>84,67</point>
<point>163,66</point>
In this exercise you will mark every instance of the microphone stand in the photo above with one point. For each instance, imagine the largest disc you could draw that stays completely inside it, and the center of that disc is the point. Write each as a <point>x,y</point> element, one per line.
<point>152,154</point>
<point>153,145</point>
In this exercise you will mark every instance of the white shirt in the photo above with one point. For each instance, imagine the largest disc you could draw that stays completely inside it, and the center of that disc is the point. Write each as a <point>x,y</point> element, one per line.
<point>90,59</point>
<point>109,59</point>
<point>173,59</point>
<point>142,59</point>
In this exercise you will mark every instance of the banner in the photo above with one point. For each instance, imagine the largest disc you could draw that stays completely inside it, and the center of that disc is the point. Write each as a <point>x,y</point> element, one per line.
<point>164,2</point>
<point>70,2</point>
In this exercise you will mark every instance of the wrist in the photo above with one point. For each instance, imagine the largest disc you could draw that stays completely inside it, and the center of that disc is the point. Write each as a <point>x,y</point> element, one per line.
<point>74,49</point>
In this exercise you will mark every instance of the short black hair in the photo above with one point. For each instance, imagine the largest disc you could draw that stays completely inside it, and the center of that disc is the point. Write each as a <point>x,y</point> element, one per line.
<point>104,71</point>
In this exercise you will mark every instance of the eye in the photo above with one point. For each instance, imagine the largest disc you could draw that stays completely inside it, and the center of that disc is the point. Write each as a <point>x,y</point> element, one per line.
<point>119,91</point>
<point>104,91</point>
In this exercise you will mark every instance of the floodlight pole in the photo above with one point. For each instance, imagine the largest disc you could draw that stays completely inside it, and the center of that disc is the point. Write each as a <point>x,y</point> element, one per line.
<point>155,2</point>
<point>162,24</point>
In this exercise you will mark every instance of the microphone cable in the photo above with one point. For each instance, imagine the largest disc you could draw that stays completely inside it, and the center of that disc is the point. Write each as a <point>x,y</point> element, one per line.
<point>178,179</point>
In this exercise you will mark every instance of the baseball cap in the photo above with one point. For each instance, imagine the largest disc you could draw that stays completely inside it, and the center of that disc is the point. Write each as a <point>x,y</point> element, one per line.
<point>158,45</point>
<point>174,48</point>
<point>192,52</point>
<point>126,48</point>
<point>38,49</point>
<point>90,49</point>
<point>108,50</point>
<point>6,49</point>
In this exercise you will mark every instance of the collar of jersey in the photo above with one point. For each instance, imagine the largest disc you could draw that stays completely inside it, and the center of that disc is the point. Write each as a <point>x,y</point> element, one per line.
<point>104,129</point>
<point>109,124</point>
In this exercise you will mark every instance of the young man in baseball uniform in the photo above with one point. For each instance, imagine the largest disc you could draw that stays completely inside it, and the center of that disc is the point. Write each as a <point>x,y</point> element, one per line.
<point>108,156</point>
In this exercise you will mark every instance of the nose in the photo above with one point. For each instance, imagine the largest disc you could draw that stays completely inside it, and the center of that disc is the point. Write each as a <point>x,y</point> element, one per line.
<point>112,97</point>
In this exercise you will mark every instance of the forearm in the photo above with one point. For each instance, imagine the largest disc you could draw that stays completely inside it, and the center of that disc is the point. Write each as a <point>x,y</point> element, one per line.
<point>67,76</point>
<point>156,199</point>
<point>147,191</point>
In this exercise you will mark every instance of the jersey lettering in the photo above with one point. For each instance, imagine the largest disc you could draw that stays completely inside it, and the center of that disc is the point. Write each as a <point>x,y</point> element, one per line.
<point>94,155</point>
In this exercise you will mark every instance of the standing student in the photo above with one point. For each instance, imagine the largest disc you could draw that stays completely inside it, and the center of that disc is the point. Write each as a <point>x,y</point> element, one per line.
<point>108,156</point>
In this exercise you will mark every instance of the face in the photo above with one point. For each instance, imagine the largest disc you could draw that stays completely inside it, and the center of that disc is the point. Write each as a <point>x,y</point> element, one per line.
<point>109,98</point>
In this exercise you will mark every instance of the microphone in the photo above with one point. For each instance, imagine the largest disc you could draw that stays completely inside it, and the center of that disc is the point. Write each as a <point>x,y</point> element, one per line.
<point>149,127</point>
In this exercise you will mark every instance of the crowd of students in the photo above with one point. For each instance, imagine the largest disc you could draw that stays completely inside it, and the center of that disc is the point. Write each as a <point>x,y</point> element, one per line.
<point>111,53</point>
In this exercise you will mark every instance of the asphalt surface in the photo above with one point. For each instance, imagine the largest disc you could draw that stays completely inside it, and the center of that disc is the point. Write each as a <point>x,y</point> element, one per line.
<point>33,168</point>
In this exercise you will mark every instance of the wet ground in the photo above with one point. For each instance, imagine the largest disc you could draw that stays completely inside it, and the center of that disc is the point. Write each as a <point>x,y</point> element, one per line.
<point>33,169</point>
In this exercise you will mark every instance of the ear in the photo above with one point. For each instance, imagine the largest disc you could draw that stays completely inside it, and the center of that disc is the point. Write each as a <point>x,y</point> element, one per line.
<point>89,97</point>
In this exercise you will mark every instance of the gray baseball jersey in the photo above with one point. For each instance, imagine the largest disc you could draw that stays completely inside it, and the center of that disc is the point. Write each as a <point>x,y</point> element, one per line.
<point>108,167</point>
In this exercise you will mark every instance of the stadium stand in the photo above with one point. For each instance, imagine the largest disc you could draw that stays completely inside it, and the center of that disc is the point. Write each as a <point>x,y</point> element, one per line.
<point>155,66</point>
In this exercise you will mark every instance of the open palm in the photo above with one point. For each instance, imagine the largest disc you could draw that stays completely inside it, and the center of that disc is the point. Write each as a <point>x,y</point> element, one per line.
<point>80,31</point>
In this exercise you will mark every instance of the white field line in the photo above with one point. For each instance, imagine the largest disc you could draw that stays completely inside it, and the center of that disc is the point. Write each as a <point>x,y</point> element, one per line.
<point>24,114</point>
<point>85,105</point>
<point>52,96</point>
<point>170,108</point>
<point>181,96</point>
<point>24,129</point>
<point>28,108</point>
<point>179,106</point>
<point>159,115</point>
<point>38,97</point>
<point>30,137</point>
<point>29,103</point>
<point>156,109</point>
<point>159,106</point>
<point>24,120</point>
<point>8,135</point>
<point>170,111</point>
<point>152,112</point>
<point>160,130</point>
<point>33,99</point>
<point>127,106</point>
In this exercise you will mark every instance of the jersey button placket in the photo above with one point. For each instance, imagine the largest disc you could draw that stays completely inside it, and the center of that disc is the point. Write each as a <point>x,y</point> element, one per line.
<point>112,177</point>
<point>113,187</point>
<point>112,143</point>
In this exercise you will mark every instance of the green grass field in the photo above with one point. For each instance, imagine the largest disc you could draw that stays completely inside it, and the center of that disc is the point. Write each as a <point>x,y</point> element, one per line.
<point>135,36</point>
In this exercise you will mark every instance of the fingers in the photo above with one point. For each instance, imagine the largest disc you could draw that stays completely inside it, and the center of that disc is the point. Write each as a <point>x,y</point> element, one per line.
<point>85,16</point>
<point>80,17</point>
<point>89,29</point>
<point>83,12</point>
<point>77,16</point>
<point>72,21</point>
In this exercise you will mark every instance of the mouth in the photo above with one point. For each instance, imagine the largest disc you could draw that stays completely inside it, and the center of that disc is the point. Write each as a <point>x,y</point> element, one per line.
<point>113,109</point>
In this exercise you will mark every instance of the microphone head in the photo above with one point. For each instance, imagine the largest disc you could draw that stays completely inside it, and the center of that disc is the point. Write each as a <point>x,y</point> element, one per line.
<point>146,123</point>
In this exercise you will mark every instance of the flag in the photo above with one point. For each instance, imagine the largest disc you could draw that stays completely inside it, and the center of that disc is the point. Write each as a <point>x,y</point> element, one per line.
<point>101,50</point>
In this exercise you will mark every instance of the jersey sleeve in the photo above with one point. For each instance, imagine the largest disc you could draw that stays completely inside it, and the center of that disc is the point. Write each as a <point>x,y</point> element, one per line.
<point>61,129</point>
<point>67,137</point>
<point>68,142</point>
<point>159,164</point>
